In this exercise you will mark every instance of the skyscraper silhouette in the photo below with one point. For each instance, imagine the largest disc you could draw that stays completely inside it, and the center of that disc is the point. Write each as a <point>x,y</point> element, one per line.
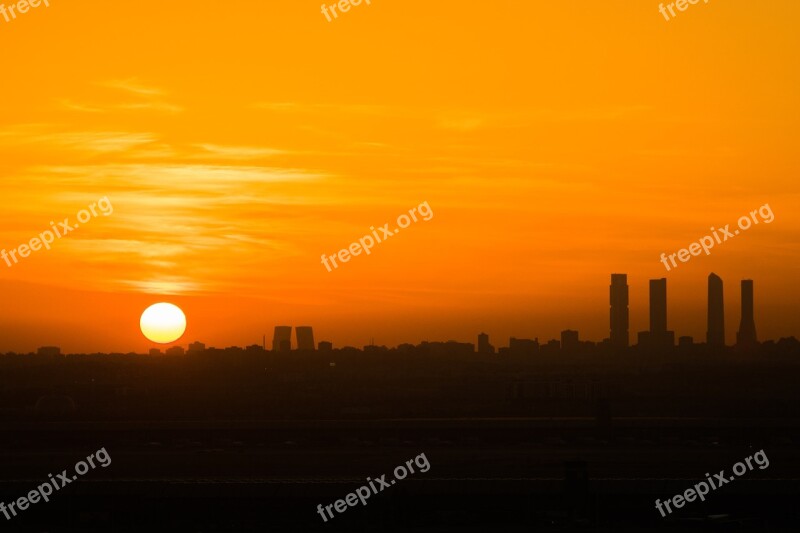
<point>715,334</point>
<point>658,339</point>
<point>305,337</point>
<point>619,310</point>
<point>746,336</point>
<point>658,306</point>
<point>282,341</point>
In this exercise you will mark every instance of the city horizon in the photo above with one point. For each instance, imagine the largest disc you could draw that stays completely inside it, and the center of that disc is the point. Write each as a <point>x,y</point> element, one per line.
<point>657,305</point>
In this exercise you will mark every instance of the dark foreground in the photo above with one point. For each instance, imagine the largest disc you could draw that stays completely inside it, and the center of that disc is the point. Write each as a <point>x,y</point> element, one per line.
<point>524,474</point>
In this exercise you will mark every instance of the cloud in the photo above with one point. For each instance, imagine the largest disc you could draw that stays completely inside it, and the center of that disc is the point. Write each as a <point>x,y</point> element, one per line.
<point>211,151</point>
<point>130,145</point>
<point>173,285</point>
<point>146,99</point>
<point>132,85</point>
<point>86,141</point>
<point>347,109</point>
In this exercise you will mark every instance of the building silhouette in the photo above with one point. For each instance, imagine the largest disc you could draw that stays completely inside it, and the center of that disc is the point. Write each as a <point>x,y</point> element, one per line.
<point>715,334</point>
<point>619,310</point>
<point>685,341</point>
<point>483,344</point>
<point>175,350</point>
<point>746,336</point>
<point>569,341</point>
<point>551,348</point>
<point>523,347</point>
<point>658,306</point>
<point>197,347</point>
<point>305,338</point>
<point>282,339</point>
<point>658,339</point>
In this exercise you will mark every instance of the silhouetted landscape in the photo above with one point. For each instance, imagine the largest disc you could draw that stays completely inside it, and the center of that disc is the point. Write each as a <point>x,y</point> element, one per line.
<point>562,435</point>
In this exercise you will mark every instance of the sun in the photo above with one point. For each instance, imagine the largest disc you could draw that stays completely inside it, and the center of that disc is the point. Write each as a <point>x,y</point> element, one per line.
<point>163,323</point>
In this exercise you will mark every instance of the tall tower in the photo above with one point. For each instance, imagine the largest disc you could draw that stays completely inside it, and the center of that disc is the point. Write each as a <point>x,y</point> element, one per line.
<point>746,336</point>
<point>619,310</point>
<point>305,338</point>
<point>715,334</point>
<point>658,306</point>
<point>657,340</point>
<point>282,341</point>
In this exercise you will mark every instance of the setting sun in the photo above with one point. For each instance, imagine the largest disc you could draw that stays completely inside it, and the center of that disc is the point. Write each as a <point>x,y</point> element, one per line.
<point>163,323</point>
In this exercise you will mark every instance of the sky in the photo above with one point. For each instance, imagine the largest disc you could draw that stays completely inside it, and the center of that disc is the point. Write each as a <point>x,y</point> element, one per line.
<point>555,143</point>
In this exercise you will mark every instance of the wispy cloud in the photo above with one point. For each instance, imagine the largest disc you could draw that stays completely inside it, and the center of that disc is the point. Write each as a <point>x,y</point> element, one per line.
<point>147,98</point>
<point>66,103</point>
<point>210,151</point>
<point>173,285</point>
<point>87,141</point>
<point>133,85</point>
<point>349,109</point>
<point>195,206</point>
<point>155,105</point>
<point>130,145</point>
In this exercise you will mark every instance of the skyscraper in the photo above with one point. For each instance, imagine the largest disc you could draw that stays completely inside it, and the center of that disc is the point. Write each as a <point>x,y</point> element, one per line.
<point>619,310</point>
<point>282,338</point>
<point>305,338</point>
<point>715,334</point>
<point>658,339</point>
<point>658,306</point>
<point>746,336</point>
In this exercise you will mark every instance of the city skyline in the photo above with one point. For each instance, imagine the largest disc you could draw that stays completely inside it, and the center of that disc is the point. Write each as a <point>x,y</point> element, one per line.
<point>657,338</point>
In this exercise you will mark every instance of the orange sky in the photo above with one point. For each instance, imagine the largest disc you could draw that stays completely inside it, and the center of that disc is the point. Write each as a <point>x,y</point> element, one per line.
<point>556,142</point>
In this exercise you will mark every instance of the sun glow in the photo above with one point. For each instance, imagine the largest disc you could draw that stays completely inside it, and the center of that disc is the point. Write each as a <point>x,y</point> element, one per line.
<point>163,323</point>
